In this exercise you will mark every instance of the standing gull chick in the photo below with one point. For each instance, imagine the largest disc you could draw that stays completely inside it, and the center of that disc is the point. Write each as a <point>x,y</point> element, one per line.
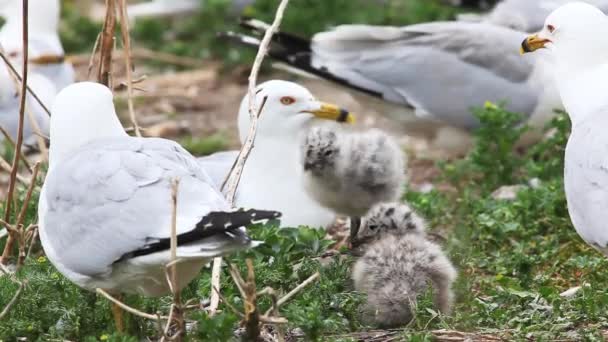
<point>105,210</point>
<point>349,171</point>
<point>396,269</point>
<point>575,35</point>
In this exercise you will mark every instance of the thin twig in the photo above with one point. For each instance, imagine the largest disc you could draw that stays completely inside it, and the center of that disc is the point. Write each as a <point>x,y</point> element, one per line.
<point>234,176</point>
<point>10,140</point>
<point>126,41</point>
<point>230,306</point>
<point>215,284</point>
<point>104,73</point>
<point>293,292</point>
<point>28,194</point>
<point>13,301</point>
<point>38,134</point>
<point>13,176</point>
<point>21,217</point>
<point>8,168</point>
<point>92,56</point>
<point>128,308</point>
<point>20,79</point>
<point>32,242</point>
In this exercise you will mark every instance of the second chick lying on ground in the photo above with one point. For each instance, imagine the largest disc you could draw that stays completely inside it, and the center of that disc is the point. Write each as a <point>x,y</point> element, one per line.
<point>351,171</point>
<point>398,265</point>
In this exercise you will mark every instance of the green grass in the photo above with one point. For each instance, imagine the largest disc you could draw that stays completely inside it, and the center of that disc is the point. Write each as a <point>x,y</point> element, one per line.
<point>514,259</point>
<point>206,145</point>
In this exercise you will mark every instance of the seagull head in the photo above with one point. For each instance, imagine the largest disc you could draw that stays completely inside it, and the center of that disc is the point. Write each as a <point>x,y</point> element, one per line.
<point>81,113</point>
<point>575,34</point>
<point>288,109</point>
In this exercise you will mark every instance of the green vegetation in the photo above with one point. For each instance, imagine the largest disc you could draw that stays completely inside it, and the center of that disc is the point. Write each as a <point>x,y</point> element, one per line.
<point>514,259</point>
<point>206,145</point>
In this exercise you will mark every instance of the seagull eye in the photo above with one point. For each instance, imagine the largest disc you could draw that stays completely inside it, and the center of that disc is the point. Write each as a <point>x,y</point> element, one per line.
<point>287,100</point>
<point>551,28</point>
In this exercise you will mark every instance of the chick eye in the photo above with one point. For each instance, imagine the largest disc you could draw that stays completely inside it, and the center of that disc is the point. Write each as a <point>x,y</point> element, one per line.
<point>373,226</point>
<point>287,100</point>
<point>551,28</point>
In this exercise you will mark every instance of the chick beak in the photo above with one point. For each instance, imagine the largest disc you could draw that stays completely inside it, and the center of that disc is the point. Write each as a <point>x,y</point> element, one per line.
<point>532,43</point>
<point>332,112</point>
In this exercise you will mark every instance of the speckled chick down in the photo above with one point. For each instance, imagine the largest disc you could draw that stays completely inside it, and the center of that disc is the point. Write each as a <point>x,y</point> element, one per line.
<point>390,218</point>
<point>350,171</point>
<point>398,267</point>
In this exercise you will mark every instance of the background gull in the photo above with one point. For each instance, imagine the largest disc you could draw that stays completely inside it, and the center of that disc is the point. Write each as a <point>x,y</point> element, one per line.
<point>575,35</point>
<point>428,76</point>
<point>524,15</point>
<point>45,50</point>
<point>272,177</point>
<point>105,209</point>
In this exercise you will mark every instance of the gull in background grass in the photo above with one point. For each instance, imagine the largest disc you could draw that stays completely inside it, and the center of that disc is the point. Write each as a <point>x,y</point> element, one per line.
<point>48,71</point>
<point>428,77</point>
<point>523,15</point>
<point>46,53</point>
<point>272,177</point>
<point>105,207</point>
<point>575,35</point>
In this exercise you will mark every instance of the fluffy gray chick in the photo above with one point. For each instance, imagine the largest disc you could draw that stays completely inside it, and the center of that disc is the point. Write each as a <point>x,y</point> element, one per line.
<point>350,171</point>
<point>390,218</point>
<point>394,271</point>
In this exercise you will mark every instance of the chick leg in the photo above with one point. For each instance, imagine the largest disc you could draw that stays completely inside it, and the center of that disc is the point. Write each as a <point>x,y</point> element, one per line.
<point>355,223</point>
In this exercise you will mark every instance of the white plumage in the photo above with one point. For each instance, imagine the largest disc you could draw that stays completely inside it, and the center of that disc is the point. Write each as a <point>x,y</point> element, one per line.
<point>105,208</point>
<point>272,177</point>
<point>575,35</point>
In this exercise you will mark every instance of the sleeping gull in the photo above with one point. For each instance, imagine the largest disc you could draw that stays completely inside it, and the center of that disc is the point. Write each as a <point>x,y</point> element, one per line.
<point>272,177</point>
<point>428,76</point>
<point>351,171</point>
<point>524,15</point>
<point>574,35</point>
<point>105,209</point>
<point>45,50</point>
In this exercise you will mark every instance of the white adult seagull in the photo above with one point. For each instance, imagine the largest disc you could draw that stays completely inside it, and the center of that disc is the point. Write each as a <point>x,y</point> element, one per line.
<point>575,34</point>
<point>272,178</point>
<point>105,210</point>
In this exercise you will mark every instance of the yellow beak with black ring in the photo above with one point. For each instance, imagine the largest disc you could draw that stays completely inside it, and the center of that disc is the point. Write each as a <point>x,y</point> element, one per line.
<point>532,43</point>
<point>332,112</point>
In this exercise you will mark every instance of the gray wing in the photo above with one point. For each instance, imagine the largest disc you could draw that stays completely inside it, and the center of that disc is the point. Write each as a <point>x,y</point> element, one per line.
<point>112,197</point>
<point>218,165</point>
<point>442,69</point>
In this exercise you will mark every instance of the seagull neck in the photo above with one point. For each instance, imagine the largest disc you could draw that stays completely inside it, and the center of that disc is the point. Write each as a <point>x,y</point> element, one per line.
<point>69,134</point>
<point>582,91</point>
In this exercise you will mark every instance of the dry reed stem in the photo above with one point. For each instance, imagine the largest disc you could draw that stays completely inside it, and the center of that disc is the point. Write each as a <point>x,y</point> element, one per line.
<point>13,175</point>
<point>215,285</point>
<point>10,140</point>
<point>128,308</point>
<point>8,168</point>
<point>16,74</point>
<point>293,292</point>
<point>230,306</point>
<point>234,175</point>
<point>126,41</point>
<point>104,73</point>
<point>91,58</point>
<point>176,313</point>
<point>21,217</point>
<point>44,152</point>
